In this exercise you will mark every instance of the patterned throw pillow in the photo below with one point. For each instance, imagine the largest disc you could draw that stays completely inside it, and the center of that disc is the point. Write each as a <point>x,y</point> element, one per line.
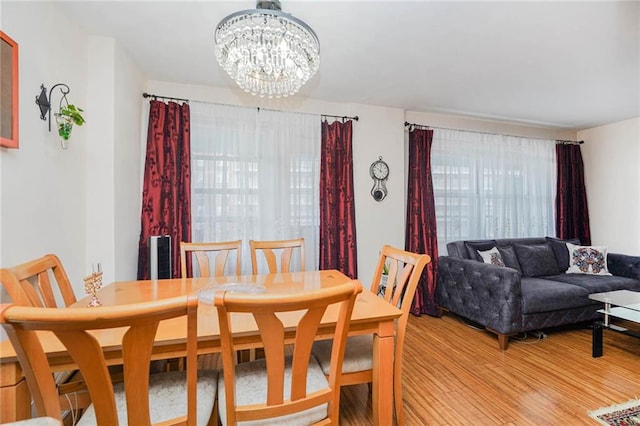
<point>492,256</point>
<point>474,247</point>
<point>587,260</point>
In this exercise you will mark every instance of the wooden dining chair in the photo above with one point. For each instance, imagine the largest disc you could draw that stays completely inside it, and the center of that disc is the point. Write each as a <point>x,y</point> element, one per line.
<point>267,390</point>
<point>201,252</point>
<point>43,282</point>
<point>398,288</point>
<point>270,250</point>
<point>142,399</point>
<point>37,282</point>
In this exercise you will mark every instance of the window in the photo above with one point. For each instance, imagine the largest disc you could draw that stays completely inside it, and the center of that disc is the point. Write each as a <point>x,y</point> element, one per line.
<point>492,186</point>
<point>255,175</point>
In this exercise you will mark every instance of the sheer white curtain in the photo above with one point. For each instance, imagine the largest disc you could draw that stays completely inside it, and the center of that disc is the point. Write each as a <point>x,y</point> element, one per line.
<point>492,186</point>
<point>255,175</point>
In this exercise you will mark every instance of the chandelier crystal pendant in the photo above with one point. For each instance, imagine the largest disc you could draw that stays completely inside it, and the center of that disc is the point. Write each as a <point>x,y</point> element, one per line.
<point>266,51</point>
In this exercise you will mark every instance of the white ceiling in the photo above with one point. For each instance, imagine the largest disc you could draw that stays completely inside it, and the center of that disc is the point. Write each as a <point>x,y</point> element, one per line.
<point>569,65</point>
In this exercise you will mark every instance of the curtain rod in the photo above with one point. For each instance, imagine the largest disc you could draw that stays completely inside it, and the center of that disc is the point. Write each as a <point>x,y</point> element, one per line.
<point>415,126</point>
<point>150,95</point>
<point>423,126</point>
<point>568,142</point>
<point>343,117</point>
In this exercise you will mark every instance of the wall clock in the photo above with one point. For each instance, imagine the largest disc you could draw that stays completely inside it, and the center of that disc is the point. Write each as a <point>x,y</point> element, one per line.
<point>379,172</point>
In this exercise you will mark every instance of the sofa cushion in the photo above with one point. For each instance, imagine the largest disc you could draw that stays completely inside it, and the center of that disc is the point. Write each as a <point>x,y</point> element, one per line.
<point>561,251</point>
<point>473,247</point>
<point>456,249</point>
<point>624,265</point>
<point>543,295</point>
<point>536,260</point>
<point>525,241</point>
<point>509,257</point>
<point>587,260</point>
<point>597,283</point>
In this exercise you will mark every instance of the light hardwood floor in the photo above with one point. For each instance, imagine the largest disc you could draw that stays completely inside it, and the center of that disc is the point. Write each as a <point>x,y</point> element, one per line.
<point>456,375</point>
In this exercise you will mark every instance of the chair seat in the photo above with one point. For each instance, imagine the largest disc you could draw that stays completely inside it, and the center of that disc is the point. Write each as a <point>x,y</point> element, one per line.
<point>167,398</point>
<point>358,355</point>
<point>36,421</point>
<point>251,387</point>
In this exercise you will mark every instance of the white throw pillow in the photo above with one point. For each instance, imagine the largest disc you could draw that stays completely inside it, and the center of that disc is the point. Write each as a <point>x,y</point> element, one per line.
<point>587,260</point>
<point>492,256</point>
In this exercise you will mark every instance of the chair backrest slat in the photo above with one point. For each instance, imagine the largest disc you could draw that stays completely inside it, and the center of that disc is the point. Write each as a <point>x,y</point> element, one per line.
<point>201,253</point>
<point>269,249</point>
<point>88,356</point>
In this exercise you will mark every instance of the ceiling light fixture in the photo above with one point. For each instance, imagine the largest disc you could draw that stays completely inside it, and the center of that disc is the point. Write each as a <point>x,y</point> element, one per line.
<point>266,51</point>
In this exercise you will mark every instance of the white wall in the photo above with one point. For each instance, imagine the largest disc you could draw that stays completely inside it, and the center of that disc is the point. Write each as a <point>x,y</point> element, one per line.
<point>489,126</point>
<point>113,160</point>
<point>43,191</point>
<point>611,156</point>
<point>100,164</point>
<point>128,158</point>
<point>81,203</point>
<point>380,132</point>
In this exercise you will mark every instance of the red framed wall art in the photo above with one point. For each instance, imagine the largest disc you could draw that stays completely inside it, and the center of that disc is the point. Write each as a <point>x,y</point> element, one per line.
<point>8,92</point>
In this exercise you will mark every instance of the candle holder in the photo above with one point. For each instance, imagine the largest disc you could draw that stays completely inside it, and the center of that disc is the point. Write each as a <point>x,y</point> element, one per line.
<point>92,284</point>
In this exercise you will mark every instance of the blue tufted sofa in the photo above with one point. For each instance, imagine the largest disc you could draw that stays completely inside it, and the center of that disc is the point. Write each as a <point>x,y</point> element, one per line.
<point>531,292</point>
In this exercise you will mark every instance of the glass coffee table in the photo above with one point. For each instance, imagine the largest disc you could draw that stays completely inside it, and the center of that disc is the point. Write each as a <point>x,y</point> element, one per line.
<point>621,304</point>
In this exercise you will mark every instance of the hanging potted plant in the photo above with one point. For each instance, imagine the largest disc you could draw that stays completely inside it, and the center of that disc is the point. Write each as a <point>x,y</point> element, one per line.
<point>65,119</point>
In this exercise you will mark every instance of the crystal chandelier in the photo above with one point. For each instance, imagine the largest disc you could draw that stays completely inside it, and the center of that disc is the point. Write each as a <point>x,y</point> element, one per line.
<point>266,51</point>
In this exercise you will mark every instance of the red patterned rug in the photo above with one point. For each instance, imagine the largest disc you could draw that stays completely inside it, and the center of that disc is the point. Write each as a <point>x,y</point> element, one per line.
<point>627,414</point>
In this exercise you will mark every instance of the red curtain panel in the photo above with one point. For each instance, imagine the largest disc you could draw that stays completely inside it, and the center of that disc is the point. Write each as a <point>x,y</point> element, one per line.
<point>572,212</point>
<point>337,204</point>
<point>421,234</point>
<point>166,194</point>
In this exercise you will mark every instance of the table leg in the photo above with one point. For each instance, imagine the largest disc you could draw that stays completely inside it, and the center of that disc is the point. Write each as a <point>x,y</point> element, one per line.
<point>596,340</point>
<point>382,392</point>
<point>15,399</point>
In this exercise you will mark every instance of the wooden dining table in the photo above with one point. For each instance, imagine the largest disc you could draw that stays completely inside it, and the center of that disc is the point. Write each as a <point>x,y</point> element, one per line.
<point>371,315</point>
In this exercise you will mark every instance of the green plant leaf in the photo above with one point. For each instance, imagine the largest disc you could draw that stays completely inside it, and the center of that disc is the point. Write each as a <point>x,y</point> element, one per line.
<point>74,113</point>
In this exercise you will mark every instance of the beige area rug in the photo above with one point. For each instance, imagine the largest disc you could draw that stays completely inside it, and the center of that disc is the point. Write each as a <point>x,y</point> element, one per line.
<point>626,414</point>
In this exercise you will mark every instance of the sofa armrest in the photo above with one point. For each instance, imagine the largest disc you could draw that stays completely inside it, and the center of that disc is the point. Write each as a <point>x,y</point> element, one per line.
<point>487,294</point>
<point>624,265</point>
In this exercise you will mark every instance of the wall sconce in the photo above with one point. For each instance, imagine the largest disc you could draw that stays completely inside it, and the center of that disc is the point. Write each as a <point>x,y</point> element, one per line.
<point>45,103</point>
<point>67,115</point>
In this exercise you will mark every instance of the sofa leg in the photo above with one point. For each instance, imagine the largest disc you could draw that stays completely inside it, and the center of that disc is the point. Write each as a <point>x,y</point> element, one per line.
<point>503,339</point>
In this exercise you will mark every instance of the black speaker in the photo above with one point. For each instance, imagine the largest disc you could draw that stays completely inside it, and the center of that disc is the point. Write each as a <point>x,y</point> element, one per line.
<point>159,257</point>
<point>596,339</point>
